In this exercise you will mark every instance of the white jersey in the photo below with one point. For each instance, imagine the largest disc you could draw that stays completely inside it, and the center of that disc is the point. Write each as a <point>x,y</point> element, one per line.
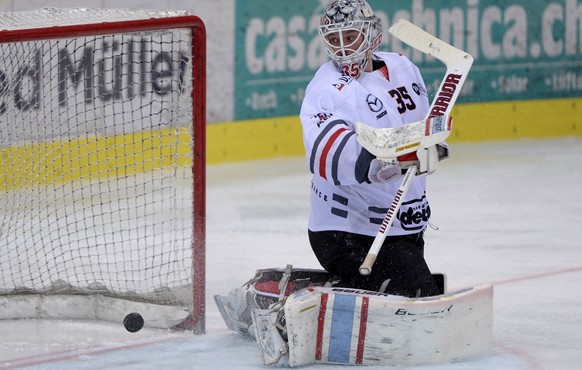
<point>342,198</point>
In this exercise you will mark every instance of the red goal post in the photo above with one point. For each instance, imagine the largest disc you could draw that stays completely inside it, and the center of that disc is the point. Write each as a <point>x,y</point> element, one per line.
<point>102,165</point>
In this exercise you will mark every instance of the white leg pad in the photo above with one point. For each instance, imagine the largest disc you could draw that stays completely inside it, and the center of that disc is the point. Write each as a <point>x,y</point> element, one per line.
<point>340,326</point>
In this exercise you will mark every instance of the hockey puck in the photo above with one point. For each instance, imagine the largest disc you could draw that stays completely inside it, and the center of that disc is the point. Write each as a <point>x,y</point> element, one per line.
<point>133,322</point>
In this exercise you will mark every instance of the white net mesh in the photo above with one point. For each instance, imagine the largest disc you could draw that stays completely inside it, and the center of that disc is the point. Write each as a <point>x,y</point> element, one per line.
<point>96,160</point>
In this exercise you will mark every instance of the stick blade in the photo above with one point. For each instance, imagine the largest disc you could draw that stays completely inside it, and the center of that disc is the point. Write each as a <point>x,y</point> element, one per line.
<point>423,41</point>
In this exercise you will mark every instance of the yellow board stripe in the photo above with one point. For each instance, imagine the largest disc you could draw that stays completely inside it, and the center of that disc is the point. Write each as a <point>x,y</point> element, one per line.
<point>254,139</point>
<point>282,137</point>
<point>97,157</point>
<point>534,119</point>
<point>92,157</point>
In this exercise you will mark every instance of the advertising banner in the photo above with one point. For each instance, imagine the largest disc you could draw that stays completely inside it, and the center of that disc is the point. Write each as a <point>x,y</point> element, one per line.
<point>110,85</point>
<point>523,49</point>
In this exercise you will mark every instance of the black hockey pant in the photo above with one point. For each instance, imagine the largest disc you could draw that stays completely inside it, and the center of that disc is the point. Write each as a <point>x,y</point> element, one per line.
<point>399,269</point>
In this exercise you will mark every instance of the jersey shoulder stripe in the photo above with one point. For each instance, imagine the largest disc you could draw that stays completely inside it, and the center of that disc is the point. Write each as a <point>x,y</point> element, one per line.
<point>323,149</point>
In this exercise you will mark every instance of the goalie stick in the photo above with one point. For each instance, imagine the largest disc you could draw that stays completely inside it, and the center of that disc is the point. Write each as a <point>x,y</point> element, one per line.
<point>458,64</point>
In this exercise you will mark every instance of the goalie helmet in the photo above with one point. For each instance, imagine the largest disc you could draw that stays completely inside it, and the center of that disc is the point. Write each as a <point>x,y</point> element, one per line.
<point>351,32</point>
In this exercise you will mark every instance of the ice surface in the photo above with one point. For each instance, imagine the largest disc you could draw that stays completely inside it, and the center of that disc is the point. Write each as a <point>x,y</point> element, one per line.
<point>507,213</point>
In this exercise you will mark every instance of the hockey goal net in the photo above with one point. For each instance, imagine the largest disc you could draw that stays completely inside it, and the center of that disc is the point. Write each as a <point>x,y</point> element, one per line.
<point>102,165</point>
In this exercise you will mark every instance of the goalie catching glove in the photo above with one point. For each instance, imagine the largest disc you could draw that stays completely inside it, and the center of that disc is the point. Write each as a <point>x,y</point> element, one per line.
<point>391,169</point>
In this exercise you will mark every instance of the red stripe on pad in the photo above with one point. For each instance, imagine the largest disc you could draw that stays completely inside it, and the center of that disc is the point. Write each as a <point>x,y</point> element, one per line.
<point>362,332</point>
<point>320,326</point>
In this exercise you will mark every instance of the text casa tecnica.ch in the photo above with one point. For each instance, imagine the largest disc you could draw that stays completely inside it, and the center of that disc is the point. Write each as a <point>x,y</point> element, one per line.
<point>114,71</point>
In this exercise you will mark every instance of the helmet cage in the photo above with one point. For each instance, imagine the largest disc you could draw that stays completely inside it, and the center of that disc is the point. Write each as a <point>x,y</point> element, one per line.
<point>351,48</point>
<point>351,33</point>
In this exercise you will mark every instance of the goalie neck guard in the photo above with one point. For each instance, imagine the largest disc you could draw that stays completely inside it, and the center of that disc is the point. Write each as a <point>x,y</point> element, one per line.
<point>351,32</point>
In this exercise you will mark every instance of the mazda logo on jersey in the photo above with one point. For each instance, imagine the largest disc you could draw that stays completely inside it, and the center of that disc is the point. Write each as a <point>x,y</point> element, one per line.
<point>374,103</point>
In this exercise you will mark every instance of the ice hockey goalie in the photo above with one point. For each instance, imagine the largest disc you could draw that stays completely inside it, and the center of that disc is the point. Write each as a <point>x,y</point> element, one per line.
<point>299,317</point>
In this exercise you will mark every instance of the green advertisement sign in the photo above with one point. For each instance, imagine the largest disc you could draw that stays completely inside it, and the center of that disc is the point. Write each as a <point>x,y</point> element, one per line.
<point>523,49</point>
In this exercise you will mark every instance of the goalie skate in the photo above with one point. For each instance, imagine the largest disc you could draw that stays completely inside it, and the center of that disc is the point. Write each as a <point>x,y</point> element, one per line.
<point>265,289</point>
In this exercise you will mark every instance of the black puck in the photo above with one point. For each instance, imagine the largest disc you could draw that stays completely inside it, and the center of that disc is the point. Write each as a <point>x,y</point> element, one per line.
<point>133,322</point>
